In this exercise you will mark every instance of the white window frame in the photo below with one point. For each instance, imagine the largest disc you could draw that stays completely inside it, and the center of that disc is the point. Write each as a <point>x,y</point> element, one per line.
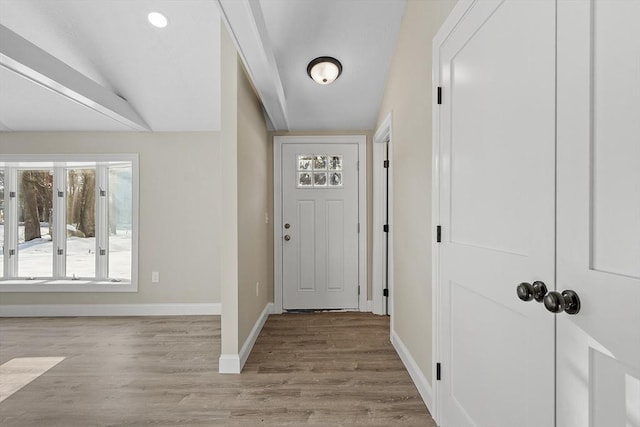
<point>58,282</point>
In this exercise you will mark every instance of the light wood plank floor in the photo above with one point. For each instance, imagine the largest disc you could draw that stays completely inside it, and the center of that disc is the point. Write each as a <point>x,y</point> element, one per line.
<point>325,369</point>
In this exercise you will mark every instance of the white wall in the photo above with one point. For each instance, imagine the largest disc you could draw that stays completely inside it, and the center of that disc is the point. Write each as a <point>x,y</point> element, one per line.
<point>179,212</point>
<point>409,97</point>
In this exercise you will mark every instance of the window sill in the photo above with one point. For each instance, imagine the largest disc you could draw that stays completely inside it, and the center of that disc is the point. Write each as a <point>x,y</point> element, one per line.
<point>46,285</point>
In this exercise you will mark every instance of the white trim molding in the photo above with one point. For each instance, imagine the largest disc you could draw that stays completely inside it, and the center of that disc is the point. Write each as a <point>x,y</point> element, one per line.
<point>380,194</point>
<point>229,364</point>
<point>233,363</point>
<point>246,25</point>
<point>420,381</point>
<point>74,310</point>
<point>253,335</point>
<point>278,142</point>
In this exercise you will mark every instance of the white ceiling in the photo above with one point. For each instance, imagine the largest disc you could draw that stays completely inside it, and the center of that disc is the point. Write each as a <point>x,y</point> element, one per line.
<point>361,34</point>
<point>171,77</point>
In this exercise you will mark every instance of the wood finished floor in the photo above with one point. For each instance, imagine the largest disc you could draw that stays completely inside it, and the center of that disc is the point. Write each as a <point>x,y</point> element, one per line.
<point>324,369</point>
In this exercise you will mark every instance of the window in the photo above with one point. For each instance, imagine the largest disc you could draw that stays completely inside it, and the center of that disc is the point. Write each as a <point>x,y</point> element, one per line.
<point>68,223</point>
<point>319,171</point>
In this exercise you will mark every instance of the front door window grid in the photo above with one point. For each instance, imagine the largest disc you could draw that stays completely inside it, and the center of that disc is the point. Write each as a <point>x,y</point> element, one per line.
<point>319,171</point>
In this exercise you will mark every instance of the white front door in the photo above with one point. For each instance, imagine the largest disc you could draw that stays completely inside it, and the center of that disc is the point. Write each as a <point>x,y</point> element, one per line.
<point>497,147</point>
<point>319,226</point>
<point>598,349</point>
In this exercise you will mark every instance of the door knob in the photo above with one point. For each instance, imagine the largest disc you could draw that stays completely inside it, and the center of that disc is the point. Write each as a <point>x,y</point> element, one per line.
<point>526,291</point>
<point>539,290</point>
<point>287,237</point>
<point>567,301</point>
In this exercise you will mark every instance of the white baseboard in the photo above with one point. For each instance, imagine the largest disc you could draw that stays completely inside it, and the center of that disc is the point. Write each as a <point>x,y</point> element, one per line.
<point>73,310</point>
<point>420,381</point>
<point>369,305</point>
<point>229,364</point>
<point>253,335</point>
<point>233,363</point>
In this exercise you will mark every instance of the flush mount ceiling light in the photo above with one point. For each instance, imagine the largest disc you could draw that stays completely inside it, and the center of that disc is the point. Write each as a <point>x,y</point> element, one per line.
<point>324,69</point>
<point>157,19</point>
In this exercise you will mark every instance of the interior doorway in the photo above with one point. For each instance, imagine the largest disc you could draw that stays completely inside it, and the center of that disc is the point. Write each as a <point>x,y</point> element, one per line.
<point>382,268</point>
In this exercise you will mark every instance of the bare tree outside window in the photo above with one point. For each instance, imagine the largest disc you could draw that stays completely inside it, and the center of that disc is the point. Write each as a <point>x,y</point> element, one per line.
<point>81,202</point>
<point>81,223</point>
<point>35,211</point>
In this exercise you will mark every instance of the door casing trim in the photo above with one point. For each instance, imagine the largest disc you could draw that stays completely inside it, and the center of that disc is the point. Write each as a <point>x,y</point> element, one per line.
<point>382,135</point>
<point>278,142</point>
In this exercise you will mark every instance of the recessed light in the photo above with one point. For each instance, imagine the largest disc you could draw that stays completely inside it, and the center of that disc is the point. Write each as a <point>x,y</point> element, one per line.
<point>157,19</point>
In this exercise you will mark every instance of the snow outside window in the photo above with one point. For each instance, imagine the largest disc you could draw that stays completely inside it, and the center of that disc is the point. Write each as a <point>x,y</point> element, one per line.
<point>68,223</point>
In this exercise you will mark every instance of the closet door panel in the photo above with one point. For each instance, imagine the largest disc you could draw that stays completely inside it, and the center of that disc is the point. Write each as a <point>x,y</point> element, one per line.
<point>598,212</point>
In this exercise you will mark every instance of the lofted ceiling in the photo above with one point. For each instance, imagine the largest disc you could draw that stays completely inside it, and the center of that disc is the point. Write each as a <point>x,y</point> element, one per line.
<point>98,65</point>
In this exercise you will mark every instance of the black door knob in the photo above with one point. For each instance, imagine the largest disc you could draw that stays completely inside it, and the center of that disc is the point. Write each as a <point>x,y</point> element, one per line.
<point>567,301</point>
<point>539,290</point>
<point>525,291</point>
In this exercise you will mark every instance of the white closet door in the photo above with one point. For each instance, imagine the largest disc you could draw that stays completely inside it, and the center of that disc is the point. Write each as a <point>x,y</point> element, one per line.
<point>598,349</point>
<point>497,175</point>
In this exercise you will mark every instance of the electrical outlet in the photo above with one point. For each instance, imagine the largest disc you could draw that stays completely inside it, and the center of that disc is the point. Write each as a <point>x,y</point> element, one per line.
<point>155,277</point>
<point>257,288</point>
<point>266,217</point>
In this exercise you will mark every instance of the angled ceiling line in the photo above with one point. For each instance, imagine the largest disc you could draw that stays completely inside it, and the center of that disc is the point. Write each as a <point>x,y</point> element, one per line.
<point>31,62</point>
<point>246,25</point>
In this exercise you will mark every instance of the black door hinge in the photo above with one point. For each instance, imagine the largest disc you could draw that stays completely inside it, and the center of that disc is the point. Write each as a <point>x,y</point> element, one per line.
<point>439,95</point>
<point>385,228</point>
<point>438,371</point>
<point>385,164</point>
<point>438,234</point>
<point>385,292</point>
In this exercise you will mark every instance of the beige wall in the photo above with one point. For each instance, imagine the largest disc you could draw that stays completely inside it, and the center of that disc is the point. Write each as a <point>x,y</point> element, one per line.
<point>179,212</point>
<point>409,97</point>
<point>255,200</point>
<point>246,241</point>
<point>229,195</point>
<point>369,136</point>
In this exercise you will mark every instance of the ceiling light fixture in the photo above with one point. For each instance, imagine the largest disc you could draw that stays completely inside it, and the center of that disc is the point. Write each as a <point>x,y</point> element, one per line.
<point>324,69</point>
<point>157,19</point>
